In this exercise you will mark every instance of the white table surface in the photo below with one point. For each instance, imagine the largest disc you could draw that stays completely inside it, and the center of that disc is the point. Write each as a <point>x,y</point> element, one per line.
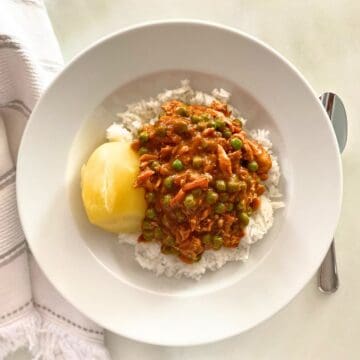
<point>322,38</point>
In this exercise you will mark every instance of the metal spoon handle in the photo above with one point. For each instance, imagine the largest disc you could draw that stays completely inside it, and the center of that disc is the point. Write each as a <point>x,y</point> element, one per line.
<point>328,275</point>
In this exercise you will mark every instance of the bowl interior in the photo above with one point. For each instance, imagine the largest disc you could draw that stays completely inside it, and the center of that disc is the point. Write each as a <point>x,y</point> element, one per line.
<point>119,259</point>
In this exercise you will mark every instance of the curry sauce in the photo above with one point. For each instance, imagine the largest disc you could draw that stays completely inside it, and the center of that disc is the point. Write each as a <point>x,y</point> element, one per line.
<point>203,177</point>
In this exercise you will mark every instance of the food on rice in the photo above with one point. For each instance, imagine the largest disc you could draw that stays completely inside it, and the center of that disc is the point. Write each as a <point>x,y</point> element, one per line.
<point>211,184</point>
<point>203,178</point>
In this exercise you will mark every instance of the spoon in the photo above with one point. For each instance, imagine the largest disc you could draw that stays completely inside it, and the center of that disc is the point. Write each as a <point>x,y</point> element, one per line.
<point>328,274</point>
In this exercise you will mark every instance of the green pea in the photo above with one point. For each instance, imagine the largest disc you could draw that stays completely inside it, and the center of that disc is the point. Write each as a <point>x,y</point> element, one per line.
<point>211,124</point>
<point>177,165</point>
<point>150,214</point>
<point>219,124</point>
<point>240,205</point>
<point>147,225</point>
<point>236,143</point>
<point>168,182</point>
<point>220,208</point>
<point>195,119</point>
<point>207,239</point>
<point>205,117</point>
<point>143,137</point>
<point>197,162</point>
<point>158,233</point>
<point>143,150</point>
<point>150,197</point>
<point>217,242</point>
<point>180,127</point>
<point>244,218</point>
<point>166,200</point>
<point>230,207</point>
<point>220,185</point>
<point>233,185</point>
<point>253,166</point>
<point>182,111</point>
<point>155,165</point>
<point>201,126</point>
<point>189,201</point>
<point>211,197</point>
<point>148,235</point>
<point>238,122</point>
<point>227,133</point>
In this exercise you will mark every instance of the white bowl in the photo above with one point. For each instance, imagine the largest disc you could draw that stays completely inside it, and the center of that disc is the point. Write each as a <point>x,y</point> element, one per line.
<point>87,265</point>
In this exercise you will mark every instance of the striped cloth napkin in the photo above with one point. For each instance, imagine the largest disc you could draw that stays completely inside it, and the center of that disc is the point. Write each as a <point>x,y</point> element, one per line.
<point>32,312</point>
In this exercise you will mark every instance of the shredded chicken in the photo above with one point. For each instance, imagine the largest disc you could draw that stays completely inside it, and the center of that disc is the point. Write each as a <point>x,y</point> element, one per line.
<point>224,161</point>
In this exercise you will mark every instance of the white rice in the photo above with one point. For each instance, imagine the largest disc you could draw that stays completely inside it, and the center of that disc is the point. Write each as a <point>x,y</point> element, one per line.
<point>148,255</point>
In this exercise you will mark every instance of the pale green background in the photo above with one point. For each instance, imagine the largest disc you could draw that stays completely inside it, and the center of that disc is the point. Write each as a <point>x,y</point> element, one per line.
<point>322,39</point>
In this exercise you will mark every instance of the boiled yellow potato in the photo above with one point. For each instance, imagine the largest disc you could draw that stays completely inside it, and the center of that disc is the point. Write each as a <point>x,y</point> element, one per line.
<point>110,199</point>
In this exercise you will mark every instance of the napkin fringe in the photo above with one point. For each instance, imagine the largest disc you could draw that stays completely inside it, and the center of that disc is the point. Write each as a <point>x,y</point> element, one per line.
<point>20,333</point>
<point>56,343</point>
